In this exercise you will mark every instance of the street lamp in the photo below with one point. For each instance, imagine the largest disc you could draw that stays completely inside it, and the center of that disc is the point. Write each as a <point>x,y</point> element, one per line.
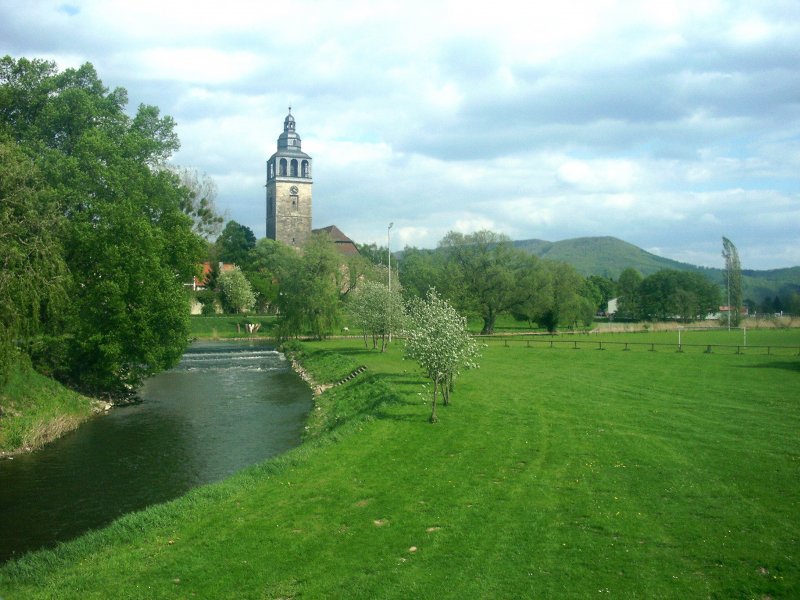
<point>389,250</point>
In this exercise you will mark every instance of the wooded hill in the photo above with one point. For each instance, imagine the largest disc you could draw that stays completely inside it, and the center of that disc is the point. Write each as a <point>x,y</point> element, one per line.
<point>609,256</point>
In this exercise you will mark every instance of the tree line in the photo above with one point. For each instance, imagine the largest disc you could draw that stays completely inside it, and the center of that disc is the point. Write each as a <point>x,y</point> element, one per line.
<point>481,274</point>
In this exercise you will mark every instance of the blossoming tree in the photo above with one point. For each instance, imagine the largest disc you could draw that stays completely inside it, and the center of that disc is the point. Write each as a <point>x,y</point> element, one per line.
<point>437,338</point>
<point>378,311</point>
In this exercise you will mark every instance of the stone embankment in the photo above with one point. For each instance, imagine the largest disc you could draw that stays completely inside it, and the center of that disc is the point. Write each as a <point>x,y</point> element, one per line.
<point>319,388</point>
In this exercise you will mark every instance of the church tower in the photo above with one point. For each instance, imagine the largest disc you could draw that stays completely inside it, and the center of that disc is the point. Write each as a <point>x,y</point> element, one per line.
<point>289,189</point>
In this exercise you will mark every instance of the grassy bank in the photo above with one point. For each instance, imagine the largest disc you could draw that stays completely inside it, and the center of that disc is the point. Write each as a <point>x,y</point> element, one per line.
<point>220,327</point>
<point>35,410</point>
<point>555,473</point>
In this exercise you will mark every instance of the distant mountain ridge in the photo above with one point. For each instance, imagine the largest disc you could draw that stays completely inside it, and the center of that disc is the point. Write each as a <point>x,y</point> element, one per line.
<point>609,256</point>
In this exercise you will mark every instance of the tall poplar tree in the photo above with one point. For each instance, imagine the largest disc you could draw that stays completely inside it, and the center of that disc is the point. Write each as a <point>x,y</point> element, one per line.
<point>733,281</point>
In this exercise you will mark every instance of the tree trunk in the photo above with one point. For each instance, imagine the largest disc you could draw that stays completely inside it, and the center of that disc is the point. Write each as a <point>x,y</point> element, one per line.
<point>488,323</point>
<point>433,406</point>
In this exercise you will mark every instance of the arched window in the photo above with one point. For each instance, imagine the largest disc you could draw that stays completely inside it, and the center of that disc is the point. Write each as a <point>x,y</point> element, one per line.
<point>305,169</point>
<point>283,167</point>
<point>294,168</point>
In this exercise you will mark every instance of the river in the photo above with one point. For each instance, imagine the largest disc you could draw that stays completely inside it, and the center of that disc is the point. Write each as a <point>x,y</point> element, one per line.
<point>224,407</point>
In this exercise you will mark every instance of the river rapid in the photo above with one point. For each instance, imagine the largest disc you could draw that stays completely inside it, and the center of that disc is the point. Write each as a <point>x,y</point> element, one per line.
<point>226,406</point>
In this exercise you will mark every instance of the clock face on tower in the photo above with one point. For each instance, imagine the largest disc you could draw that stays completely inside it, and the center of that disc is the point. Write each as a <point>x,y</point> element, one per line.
<point>293,189</point>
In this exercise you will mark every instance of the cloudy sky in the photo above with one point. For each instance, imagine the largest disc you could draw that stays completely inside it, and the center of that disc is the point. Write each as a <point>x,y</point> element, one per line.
<point>667,124</point>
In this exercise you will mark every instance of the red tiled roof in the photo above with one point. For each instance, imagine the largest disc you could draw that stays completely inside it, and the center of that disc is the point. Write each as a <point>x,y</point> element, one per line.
<point>207,271</point>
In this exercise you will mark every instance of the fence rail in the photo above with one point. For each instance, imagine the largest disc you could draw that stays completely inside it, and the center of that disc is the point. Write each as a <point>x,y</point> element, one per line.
<point>539,342</point>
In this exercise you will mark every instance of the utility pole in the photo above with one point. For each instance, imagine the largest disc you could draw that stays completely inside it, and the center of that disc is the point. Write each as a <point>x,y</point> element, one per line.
<point>389,250</point>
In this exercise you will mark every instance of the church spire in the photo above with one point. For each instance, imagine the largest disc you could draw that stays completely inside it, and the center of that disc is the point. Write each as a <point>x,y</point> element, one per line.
<point>289,138</point>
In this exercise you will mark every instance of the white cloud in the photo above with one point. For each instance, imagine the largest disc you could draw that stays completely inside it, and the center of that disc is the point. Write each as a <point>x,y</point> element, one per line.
<point>599,175</point>
<point>194,64</point>
<point>667,124</point>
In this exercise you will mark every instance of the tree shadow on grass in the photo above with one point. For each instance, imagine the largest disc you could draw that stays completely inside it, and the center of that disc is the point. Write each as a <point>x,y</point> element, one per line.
<point>408,417</point>
<point>402,379</point>
<point>783,365</point>
<point>351,351</point>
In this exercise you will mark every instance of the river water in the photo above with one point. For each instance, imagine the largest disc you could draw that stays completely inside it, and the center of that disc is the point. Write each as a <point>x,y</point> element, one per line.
<point>224,407</point>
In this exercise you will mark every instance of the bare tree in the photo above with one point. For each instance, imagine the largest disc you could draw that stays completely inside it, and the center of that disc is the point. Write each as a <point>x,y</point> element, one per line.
<point>200,201</point>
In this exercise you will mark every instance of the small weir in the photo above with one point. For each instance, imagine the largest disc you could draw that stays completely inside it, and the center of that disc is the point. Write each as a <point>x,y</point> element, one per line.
<point>224,407</point>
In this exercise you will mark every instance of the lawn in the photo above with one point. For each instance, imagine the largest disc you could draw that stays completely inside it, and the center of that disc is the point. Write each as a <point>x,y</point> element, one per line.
<point>230,326</point>
<point>554,473</point>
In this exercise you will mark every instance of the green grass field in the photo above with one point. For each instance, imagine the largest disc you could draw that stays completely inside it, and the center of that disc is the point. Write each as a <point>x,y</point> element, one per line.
<point>555,473</point>
<point>225,326</point>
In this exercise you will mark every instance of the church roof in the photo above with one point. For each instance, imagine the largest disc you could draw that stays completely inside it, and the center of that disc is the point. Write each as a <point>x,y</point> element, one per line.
<point>343,243</point>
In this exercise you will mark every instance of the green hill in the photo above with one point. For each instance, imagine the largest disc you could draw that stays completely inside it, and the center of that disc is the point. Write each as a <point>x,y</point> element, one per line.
<point>606,256</point>
<point>609,256</point>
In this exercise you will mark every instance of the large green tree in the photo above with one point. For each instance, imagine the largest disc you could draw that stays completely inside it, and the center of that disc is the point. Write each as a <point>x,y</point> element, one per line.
<point>235,243</point>
<point>628,286</point>
<point>419,270</point>
<point>310,286</point>
<point>268,262</point>
<point>482,271</point>
<point>127,242</point>
<point>565,302</point>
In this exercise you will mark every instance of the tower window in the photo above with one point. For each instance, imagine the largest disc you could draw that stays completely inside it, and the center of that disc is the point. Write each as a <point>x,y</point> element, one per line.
<point>294,167</point>
<point>294,202</point>
<point>305,169</point>
<point>283,167</point>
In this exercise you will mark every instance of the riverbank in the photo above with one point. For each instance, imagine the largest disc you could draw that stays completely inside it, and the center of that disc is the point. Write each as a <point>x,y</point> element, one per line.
<point>35,410</point>
<point>648,475</point>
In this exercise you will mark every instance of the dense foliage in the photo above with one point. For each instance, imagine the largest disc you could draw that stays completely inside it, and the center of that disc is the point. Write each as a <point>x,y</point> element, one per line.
<point>115,218</point>
<point>484,275</point>
<point>234,243</point>
<point>33,274</point>
<point>482,271</point>
<point>667,295</point>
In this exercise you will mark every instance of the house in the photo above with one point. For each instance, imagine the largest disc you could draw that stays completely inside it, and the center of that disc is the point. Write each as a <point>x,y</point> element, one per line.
<point>200,283</point>
<point>344,244</point>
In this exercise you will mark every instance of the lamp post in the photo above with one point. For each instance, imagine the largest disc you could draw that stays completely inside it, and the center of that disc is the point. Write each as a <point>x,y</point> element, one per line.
<point>389,251</point>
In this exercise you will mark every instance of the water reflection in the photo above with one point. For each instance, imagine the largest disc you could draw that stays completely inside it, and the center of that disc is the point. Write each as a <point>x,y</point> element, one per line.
<point>224,407</point>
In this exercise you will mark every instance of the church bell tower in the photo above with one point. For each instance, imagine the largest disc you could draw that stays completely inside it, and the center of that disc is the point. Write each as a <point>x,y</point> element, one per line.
<point>289,189</point>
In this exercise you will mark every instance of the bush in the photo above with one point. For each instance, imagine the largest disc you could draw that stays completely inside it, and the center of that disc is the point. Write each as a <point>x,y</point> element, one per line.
<point>207,300</point>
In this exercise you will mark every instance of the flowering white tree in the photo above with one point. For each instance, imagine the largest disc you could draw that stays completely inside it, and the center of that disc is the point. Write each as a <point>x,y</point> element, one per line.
<point>377,311</point>
<point>237,294</point>
<point>437,338</point>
